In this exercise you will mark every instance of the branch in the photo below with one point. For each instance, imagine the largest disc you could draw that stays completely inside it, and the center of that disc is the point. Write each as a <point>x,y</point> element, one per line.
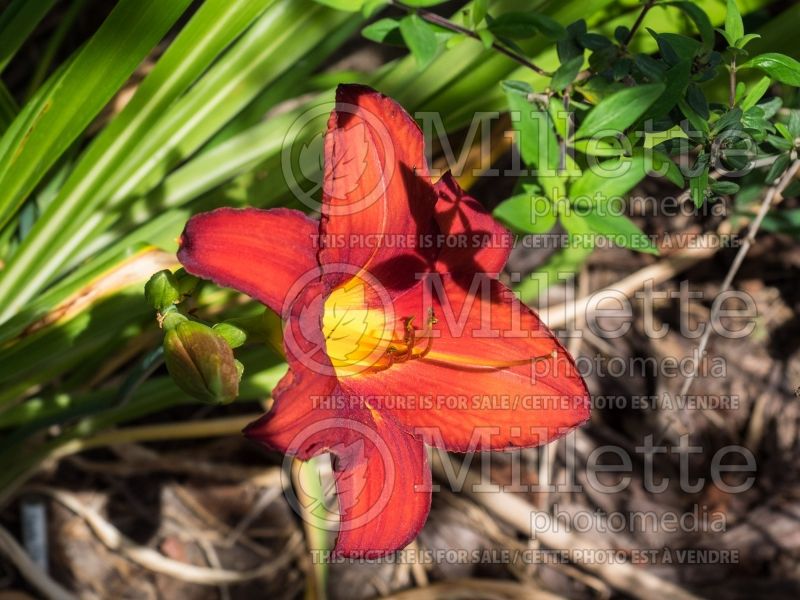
<point>638,23</point>
<point>517,512</point>
<point>113,539</point>
<point>563,314</point>
<point>435,19</point>
<point>737,262</point>
<point>30,571</point>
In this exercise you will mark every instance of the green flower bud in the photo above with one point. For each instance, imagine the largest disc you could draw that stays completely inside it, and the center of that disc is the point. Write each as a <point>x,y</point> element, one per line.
<point>186,283</point>
<point>235,336</point>
<point>162,290</point>
<point>201,362</point>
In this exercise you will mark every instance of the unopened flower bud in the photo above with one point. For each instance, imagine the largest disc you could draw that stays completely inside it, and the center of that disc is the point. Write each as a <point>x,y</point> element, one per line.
<point>186,283</point>
<point>201,362</point>
<point>162,291</point>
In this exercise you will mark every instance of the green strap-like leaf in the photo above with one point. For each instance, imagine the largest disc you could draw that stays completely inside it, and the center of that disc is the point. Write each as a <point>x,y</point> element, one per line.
<point>16,23</point>
<point>67,105</point>
<point>8,108</point>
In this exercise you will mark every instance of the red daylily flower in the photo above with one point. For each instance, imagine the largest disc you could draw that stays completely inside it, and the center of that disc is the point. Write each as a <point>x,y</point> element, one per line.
<point>396,329</point>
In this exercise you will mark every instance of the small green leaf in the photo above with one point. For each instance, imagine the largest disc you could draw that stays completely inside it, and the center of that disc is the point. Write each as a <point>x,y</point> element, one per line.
<point>755,93</point>
<point>535,133</point>
<point>650,67</point>
<point>698,123</point>
<point>562,262</point>
<point>513,25</point>
<point>724,187</point>
<point>698,186</point>
<point>547,26</point>
<point>345,5</point>
<point>701,21</point>
<point>697,100</point>
<point>423,3</point>
<point>566,73</point>
<point>487,38</point>
<point>734,28</point>
<point>521,25</point>
<point>654,138</point>
<point>781,144</point>
<point>619,110</point>
<point>672,171</point>
<point>620,230</point>
<point>746,39</point>
<point>675,47</point>
<point>479,10</point>
<point>610,179</point>
<point>527,214</point>
<point>777,168</point>
<point>771,107</point>
<point>725,35</point>
<point>794,123</point>
<point>161,290</point>
<point>371,7</point>
<point>420,38</point>
<point>380,29</point>
<point>600,147</point>
<point>522,88</point>
<point>594,41</point>
<point>778,66</point>
<point>730,119</point>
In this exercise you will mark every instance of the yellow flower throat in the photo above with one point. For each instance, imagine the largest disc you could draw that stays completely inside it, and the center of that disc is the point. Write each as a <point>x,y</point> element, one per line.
<point>362,339</point>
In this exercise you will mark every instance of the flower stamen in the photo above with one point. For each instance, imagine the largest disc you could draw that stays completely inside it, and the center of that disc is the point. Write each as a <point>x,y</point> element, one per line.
<point>400,351</point>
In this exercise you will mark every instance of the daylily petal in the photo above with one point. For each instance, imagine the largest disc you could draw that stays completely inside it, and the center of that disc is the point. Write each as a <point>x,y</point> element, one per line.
<point>478,243</point>
<point>377,196</point>
<point>301,397</point>
<point>291,425</point>
<point>383,480</point>
<point>461,393</point>
<point>259,252</point>
<point>383,483</point>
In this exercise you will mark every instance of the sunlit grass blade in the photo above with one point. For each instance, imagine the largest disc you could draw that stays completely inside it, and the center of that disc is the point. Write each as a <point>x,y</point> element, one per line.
<point>45,62</point>
<point>57,116</point>
<point>8,108</point>
<point>17,22</point>
<point>107,176</point>
<point>78,322</point>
